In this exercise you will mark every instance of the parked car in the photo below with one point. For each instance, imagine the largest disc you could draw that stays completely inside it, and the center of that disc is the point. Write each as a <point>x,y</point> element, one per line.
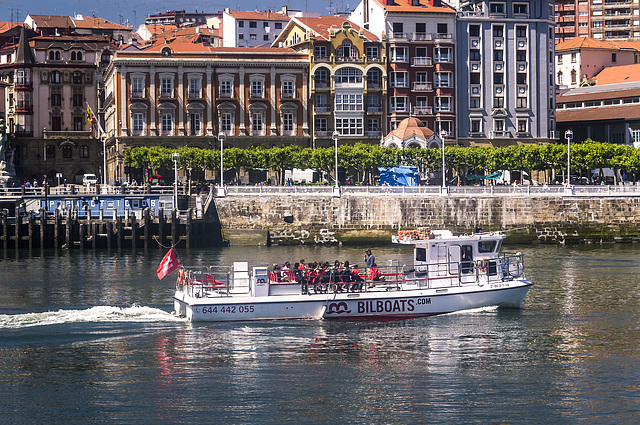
<point>89,179</point>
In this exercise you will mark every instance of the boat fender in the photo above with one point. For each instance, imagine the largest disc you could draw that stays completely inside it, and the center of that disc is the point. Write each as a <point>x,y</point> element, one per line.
<point>181,276</point>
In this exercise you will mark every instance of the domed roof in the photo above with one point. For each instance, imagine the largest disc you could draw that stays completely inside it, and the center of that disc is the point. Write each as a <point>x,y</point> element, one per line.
<point>409,127</point>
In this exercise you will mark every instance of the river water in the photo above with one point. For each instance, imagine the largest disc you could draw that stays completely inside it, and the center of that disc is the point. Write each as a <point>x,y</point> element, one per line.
<point>88,338</point>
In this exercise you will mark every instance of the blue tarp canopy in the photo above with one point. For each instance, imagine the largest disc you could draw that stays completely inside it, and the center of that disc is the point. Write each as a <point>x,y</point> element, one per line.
<point>403,175</point>
<point>494,176</point>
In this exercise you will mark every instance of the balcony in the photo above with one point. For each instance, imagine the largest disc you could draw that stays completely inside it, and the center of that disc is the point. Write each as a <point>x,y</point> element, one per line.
<point>497,134</point>
<point>401,108</point>
<point>444,36</point>
<point>138,94</point>
<point>166,132</point>
<point>443,84</point>
<point>226,95</point>
<point>322,109</point>
<point>554,135</point>
<point>422,110</point>
<point>195,132</point>
<point>374,109</point>
<point>287,95</point>
<point>422,61</point>
<point>399,84</point>
<point>137,132</point>
<point>348,59</point>
<point>321,133</point>
<point>374,85</point>
<point>167,94</point>
<point>321,58</point>
<point>421,36</point>
<point>374,133</point>
<point>24,107</point>
<point>399,58</point>
<point>257,95</point>
<point>23,85</point>
<point>398,36</point>
<point>374,59</point>
<point>320,84</point>
<point>444,108</point>
<point>422,86</point>
<point>49,134</point>
<point>23,132</point>
<point>195,94</point>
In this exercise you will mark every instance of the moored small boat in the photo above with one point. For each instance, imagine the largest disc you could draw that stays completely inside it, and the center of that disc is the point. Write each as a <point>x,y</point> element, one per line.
<point>447,273</point>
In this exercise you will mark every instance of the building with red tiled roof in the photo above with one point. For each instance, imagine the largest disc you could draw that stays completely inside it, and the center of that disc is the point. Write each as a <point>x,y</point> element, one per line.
<point>250,29</point>
<point>604,112</point>
<point>180,18</point>
<point>53,78</point>
<point>420,36</point>
<point>78,25</point>
<point>348,77</point>
<point>579,59</point>
<point>179,93</point>
<point>618,74</point>
<point>411,133</point>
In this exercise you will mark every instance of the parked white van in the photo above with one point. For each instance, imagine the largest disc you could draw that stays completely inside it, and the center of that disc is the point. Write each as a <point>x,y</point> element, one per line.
<point>89,179</point>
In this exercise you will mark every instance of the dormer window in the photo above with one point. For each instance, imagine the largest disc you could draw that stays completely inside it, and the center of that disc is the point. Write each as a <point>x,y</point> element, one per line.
<point>166,52</point>
<point>54,55</point>
<point>76,56</point>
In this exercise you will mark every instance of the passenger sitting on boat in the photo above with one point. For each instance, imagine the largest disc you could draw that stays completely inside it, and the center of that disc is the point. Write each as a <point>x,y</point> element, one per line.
<point>302,265</point>
<point>287,273</point>
<point>336,276</point>
<point>345,275</point>
<point>374,274</point>
<point>356,279</point>
<point>276,275</point>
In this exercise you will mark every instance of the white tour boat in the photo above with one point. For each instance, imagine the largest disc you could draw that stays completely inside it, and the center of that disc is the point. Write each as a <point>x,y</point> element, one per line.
<point>447,273</point>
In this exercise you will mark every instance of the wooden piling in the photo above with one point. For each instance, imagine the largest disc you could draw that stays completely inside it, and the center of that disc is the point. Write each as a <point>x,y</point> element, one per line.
<point>187,230</point>
<point>109,233</point>
<point>160,227</point>
<point>134,230</point>
<point>174,234</point>
<point>43,225</point>
<point>147,226</point>
<point>119,231</point>
<point>30,230</point>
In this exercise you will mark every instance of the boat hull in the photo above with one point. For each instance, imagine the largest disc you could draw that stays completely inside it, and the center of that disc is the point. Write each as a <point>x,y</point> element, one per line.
<point>370,305</point>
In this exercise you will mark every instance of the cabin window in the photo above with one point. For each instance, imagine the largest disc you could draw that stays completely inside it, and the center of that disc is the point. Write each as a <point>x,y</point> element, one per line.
<point>487,246</point>
<point>466,259</point>
<point>421,254</point>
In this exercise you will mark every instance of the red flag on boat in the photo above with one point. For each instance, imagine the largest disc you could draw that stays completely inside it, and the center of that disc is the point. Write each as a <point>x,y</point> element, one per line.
<point>168,264</point>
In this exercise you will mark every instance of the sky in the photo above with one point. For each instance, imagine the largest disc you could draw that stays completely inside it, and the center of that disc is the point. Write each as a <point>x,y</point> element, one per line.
<point>137,10</point>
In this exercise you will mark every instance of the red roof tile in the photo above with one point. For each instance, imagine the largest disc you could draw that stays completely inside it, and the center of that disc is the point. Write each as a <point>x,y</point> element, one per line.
<point>407,6</point>
<point>321,25</point>
<point>623,112</point>
<point>258,16</point>
<point>591,43</point>
<point>618,74</point>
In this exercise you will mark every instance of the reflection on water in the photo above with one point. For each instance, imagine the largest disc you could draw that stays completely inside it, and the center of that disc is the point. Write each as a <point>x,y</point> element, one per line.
<point>95,330</point>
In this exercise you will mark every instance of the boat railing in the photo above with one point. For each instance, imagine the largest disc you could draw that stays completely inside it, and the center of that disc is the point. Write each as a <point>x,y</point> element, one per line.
<point>201,282</point>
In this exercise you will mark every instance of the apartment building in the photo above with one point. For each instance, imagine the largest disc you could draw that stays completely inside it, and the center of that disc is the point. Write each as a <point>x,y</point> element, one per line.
<point>579,59</point>
<point>420,38</point>
<point>599,19</point>
<point>348,76</point>
<point>505,80</point>
<point>178,93</point>
<point>51,79</point>
<point>251,29</point>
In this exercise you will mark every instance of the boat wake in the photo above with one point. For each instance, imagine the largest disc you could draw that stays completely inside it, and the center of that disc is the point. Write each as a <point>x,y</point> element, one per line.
<point>96,314</point>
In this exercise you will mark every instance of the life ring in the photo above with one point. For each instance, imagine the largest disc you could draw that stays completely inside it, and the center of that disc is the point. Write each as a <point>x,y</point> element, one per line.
<point>482,265</point>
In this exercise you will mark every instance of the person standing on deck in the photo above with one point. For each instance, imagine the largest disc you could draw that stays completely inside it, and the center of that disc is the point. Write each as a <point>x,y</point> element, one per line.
<point>369,258</point>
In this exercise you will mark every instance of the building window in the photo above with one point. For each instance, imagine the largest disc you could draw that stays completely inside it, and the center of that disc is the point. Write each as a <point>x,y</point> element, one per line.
<point>167,124</point>
<point>347,51</point>
<point>56,99</point>
<point>496,8</point>
<point>226,88</point>
<point>195,88</point>
<point>520,8</point>
<point>444,104</point>
<point>78,99</point>
<point>265,37</point>
<point>348,102</point>
<point>349,126</point>
<point>474,55</point>
<point>138,124</point>
<point>278,25</point>
<point>522,126</point>
<point>320,52</point>
<point>66,152</point>
<point>399,79</point>
<point>373,52</point>
<point>399,104</point>
<point>498,78</point>
<point>521,55</point>
<point>253,37</point>
<point>320,125</point>
<point>240,36</point>
<point>442,30</point>
<point>521,102</point>
<point>51,152</point>
<point>287,124</point>
<point>498,55</point>
<point>84,151</point>
<point>498,31</point>
<point>521,31</point>
<point>76,56</point>
<point>166,87</point>
<point>321,104</point>
<point>474,30</point>
<point>373,124</point>
<point>287,89</point>
<point>78,123</point>
<point>256,88</point>
<point>77,77</point>
<point>498,126</point>
<point>614,57</point>
<point>474,102</point>
<point>398,29</point>
<point>226,121</point>
<point>442,79</point>
<point>399,54</point>
<point>444,54</point>
<point>560,82</point>
<point>321,78</point>
<point>55,77</point>
<point>574,76</point>
<point>253,24</point>
<point>240,24</point>
<point>194,123</point>
<point>498,102</point>
<point>476,126</point>
<point>137,87</point>
<point>256,123</point>
<point>573,57</point>
<point>348,76</point>
<point>374,79</point>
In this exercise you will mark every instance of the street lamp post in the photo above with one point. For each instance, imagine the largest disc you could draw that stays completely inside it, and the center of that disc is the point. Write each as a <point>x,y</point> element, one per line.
<point>175,157</point>
<point>443,134</point>
<point>336,188</point>
<point>221,137</point>
<point>569,136</point>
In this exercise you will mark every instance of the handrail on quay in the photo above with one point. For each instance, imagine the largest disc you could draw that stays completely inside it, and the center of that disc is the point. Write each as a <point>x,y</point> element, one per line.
<point>307,190</point>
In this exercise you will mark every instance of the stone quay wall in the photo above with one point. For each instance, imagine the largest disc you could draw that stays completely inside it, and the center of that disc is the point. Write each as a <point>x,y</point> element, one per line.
<point>371,219</point>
